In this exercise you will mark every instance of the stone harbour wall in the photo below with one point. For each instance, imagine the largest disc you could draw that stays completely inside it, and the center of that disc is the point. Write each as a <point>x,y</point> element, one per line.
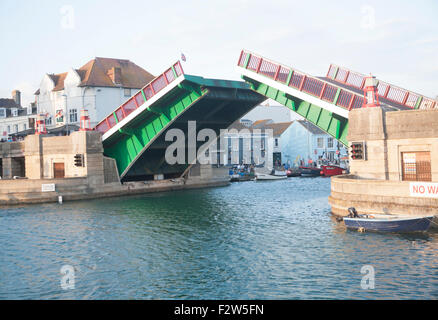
<point>377,196</point>
<point>375,184</point>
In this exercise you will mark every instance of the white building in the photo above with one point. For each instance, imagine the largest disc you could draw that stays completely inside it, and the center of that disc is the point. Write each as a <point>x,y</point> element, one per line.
<point>252,145</point>
<point>13,117</point>
<point>294,143</point>
<point>100,86</point>
<point>307,144</point>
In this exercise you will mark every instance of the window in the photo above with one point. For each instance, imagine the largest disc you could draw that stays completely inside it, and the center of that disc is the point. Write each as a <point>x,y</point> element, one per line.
<point>2,113</point>
<point>331,156</point>
<point>15,128</point>
<point>73,115</point>
<point>236,143</point>
<point>14,112</point>
<point>49,121</point>
<point>330,143</point>
<point>127,92</point>
<point>9,129</point>
<point>276,142</point>
<point>59,116</point>
<point>320,142</point>
<point>24,127</point>
<point>416,166</point>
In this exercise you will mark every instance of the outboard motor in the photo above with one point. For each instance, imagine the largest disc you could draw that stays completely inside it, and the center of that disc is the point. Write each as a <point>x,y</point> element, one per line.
<point>352,213</point>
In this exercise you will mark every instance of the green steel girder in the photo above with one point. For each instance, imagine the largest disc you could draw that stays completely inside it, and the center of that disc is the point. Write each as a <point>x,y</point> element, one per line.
<point>192,87</point>
<point>139,146</point>
<point>135,137</point>
<point>217,110</point>
<point>417,105</point>
<point>329,122</point>
<point>127,131</point>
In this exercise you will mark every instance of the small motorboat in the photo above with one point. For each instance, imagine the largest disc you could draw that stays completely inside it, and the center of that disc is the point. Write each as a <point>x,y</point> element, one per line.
<point>266,177</point>
<point>330,171</point>
<point>279,173</point>
<point>386,222</point>
<point>310,171</point>
<point>241,173</point>
<point>293,172</point>
<point>239,177</point>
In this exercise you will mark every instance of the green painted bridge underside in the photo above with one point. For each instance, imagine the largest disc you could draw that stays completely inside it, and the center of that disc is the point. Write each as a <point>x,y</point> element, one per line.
<point>329,122</point>
<point>131,140</point>
<point>139,147</point>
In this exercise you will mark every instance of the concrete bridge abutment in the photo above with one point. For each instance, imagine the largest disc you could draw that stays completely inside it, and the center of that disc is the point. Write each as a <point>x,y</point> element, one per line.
<point>401,152</point>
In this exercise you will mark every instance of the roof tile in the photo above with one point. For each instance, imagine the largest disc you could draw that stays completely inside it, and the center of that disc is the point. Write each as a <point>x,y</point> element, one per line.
<point>8,103</point>
<point>310,127</point>
<point>96,73</point>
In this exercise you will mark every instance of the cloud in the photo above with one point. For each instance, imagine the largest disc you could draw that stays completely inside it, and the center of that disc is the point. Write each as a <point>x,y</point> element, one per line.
<point>426,40</point>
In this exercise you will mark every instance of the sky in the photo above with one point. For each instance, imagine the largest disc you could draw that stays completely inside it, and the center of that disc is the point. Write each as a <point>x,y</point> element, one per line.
<point>395,40</point>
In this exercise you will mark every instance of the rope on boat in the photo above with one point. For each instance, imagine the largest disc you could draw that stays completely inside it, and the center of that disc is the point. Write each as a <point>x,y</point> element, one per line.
<point>431,220</point>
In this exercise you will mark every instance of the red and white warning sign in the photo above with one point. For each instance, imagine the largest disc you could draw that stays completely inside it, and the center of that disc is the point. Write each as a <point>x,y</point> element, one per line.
<point>423,189</point>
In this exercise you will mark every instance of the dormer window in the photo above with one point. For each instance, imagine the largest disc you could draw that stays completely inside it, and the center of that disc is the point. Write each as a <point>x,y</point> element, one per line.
<point>14,112</point>
<point>2,113</point>
<point>116,75</point>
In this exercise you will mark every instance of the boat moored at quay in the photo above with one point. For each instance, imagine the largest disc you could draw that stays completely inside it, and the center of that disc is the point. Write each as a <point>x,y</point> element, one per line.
<point>386,222</point>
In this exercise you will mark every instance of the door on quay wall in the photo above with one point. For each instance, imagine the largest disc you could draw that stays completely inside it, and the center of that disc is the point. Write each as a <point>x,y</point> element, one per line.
<point>416,166</point>
<point>58,170</point>
<point>276,158</point>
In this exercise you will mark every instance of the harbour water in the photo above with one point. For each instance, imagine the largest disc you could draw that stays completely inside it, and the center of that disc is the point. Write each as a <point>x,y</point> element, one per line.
<point>251,240</point>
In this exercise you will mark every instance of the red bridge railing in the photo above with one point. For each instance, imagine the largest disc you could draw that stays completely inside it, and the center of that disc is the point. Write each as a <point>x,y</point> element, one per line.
<point>386,91</point>
<point>150,90</point>
<point>316,87</point>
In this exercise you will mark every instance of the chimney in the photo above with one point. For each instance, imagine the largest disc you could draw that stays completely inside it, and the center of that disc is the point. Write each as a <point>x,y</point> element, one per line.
<point>16,96</point>
<point>116,75</point>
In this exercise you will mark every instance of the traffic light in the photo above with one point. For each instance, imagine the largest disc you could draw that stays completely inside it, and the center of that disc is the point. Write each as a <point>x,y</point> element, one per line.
<point>79,160</point>
<point>357,151</point>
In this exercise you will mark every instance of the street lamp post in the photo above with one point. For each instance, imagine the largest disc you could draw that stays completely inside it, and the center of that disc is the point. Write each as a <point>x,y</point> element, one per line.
<point>66,113</point>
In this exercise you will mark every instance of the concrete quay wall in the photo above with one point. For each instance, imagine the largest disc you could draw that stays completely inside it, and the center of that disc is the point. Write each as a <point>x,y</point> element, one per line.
<point>377,196</point>
<point>387,135</point>
<point>35,164</point>
<point>17,192</point>
<point>377,183</point>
